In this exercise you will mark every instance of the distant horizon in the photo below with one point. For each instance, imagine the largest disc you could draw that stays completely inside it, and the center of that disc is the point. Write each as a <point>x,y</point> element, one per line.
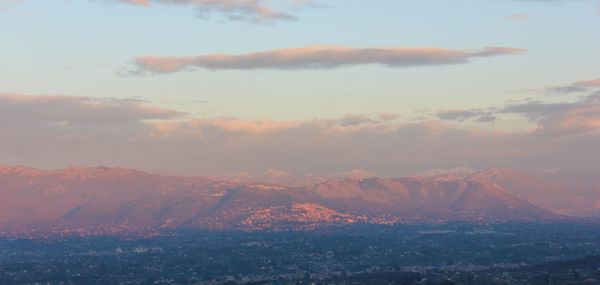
<point>275,173</point>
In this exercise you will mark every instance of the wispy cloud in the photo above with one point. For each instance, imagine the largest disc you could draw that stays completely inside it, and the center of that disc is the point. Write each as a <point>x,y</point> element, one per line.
<point>351,123</point>
<point>560,119</point>
<point>318,57</point>
<point>242,10</point>
<point>18,111</point>
<point>518,17</point>
<point>576,87</point>
<point>4,4</point>
<point>553,119</point>
<point>479,115</point>
<point>255,11</point>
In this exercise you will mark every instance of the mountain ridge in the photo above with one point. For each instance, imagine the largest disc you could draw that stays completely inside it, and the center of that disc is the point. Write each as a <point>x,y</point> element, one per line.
<point>117,198</point>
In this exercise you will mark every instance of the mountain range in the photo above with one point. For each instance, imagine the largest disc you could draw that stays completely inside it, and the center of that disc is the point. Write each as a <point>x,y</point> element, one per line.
<point>101,200</point>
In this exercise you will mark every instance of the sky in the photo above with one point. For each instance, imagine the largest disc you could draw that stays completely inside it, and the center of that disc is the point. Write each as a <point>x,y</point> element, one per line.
<point>211,87</point>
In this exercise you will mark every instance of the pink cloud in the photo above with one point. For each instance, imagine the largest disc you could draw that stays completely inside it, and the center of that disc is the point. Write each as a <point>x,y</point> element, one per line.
<point>578,119</point>
<point>518,17</point>
<point>137,2</point>
<point>553,119</point>
<point>137,134</point>
<point>319,57</point>
<point>18,110</point>
<point>343,125</point>
<point>595,83</point>
<point>236,125</point>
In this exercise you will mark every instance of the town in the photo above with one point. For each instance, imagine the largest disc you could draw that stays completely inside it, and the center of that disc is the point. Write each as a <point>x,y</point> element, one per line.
<point>450,253</point>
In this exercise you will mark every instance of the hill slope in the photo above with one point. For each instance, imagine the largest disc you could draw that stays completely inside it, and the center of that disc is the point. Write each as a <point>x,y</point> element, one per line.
<point>123,199</point>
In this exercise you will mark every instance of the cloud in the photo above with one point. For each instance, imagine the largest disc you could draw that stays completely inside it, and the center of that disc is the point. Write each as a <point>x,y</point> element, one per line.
<point>579,119</point>
<point>566,118</point>
<point>575,87</point>
<point>480,115</point>
<point>23,110</point>
<point>241,10</point>
<point>255,11</point>
<point>518,17</point>
<point>224,125</point>
<point>5,4</point>
<point>228,125</point>
<point>594,83</point>
<point>553,119</point>
<point>560,119</point>
<point>58,131</point>
<point>318,57</point>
